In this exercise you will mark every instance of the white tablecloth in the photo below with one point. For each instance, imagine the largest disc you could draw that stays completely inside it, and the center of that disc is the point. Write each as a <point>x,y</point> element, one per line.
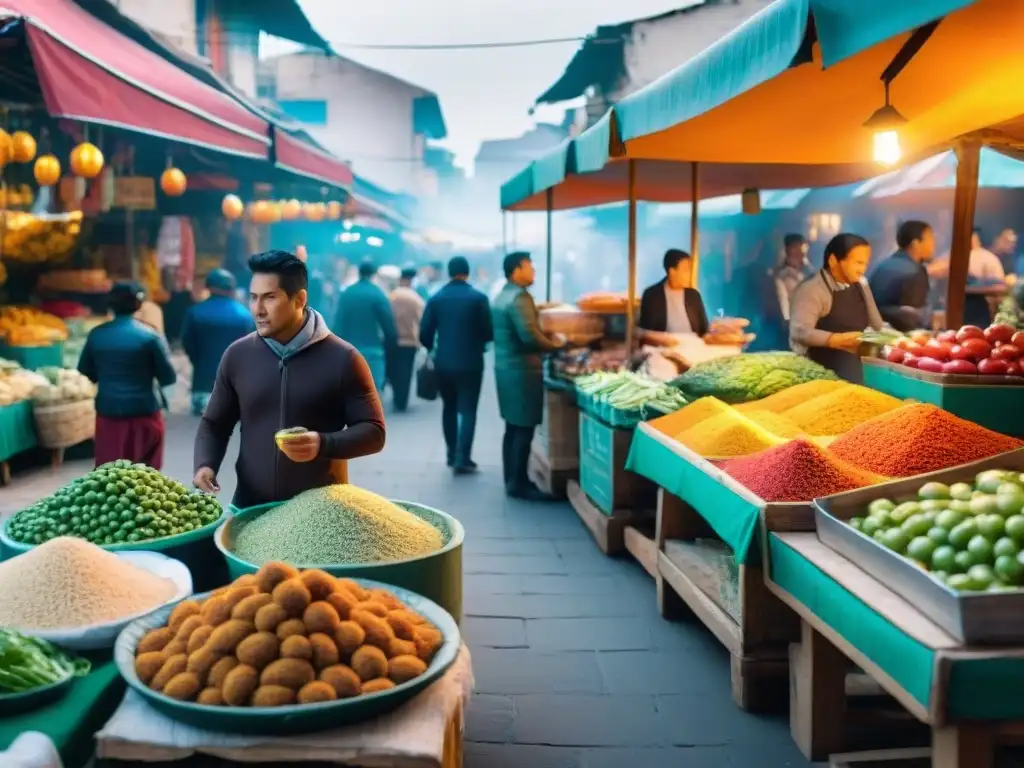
<point>412,736</point>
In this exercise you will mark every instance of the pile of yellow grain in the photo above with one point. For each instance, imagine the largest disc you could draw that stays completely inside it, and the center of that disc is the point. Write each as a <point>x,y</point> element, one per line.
<point>691,415</point>
<point>782,401</point>
<point>728,434</point>
<point>67,583</point>
<point>839,411</point>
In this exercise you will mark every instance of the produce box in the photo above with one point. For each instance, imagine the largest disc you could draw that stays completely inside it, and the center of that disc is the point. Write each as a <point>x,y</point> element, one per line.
<point>558,437</point>
<point>17,429</point>
<point>732,511</point>
<point>994,404</point>
<point>33,358</point>
<point>971,617</point>
<point>603,472</point>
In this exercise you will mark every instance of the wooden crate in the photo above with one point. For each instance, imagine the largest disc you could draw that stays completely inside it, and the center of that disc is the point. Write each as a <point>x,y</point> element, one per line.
<point>553,481</point>
<point>603,474</point>
<point>557,439</point>
<point>609,531</point>
<point>696,576</point>
<point>639,542</point>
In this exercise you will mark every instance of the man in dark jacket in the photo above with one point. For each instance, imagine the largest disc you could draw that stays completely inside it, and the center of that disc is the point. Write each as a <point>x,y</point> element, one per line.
<point>519,346</point>
<point>672,305</point>
<point>128,360</point>
<point>292,371</point>
<point>456,327</point>
<point>211,327</point>
<point>900,284</point>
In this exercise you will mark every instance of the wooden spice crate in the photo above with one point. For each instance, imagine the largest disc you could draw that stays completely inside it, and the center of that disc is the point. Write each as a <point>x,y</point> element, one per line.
<point>700,577</point>
<point>557,439</point>
<point>603,474</point>
<point>609,531</point>
<point>967,697</point>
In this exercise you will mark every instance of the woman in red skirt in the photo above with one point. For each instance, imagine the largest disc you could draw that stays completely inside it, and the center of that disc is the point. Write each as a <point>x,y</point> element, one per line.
<point>128,361</point>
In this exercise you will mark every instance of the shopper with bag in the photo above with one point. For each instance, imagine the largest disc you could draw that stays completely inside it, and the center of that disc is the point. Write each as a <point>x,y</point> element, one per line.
<point>456,328</point>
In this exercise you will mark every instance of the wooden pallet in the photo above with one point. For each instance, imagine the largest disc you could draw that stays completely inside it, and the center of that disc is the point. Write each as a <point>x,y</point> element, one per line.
<point>553,481</point>
<point>609,531</point>
<point>695,578</point>
<point>639,541</point>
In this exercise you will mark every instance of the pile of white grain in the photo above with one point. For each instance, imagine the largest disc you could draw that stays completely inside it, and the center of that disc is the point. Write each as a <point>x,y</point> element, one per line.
<point>68,583</point>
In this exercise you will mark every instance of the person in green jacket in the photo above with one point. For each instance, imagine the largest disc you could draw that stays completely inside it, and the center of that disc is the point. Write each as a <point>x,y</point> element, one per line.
<point>365,320</point>
<point>519,347</point>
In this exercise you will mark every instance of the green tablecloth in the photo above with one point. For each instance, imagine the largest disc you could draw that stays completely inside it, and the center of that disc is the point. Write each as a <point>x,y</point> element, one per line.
<point>34,358</point>
<point>71,722</point>
<point>17,429</point>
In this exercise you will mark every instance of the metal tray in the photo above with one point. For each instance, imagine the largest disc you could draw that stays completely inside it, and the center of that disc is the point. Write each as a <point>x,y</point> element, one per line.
<point>995,618</point>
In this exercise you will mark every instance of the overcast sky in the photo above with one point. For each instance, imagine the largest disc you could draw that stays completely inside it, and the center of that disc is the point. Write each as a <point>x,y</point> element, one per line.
<point>484,93</point>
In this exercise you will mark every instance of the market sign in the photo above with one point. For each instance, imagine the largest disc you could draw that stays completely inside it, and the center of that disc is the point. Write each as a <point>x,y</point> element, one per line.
<point>137,192</point>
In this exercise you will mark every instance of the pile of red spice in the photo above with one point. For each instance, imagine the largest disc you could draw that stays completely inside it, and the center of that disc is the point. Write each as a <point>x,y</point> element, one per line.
<point>916,439</point>
<point>797,471</point>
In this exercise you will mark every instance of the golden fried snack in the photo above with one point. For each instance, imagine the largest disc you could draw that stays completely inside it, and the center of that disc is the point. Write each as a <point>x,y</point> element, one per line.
<point>291,673</point>
<point>148,664</point>
<point>216,610</point>
<point>353,588</point>
<point>211,697</point>
<point>319,583</point>
<point>181,612</point>
<point>349,637</point>
<point>183,686</point>
<point>237,594</point>
<point>220,670</point>
<point>343,680</point>
<point>198,638</point>
<point>174,665</point>
<point>188,626</point>
<point>369,662</point>
<point>175,647</point>
<point>377,685</point>
<point>401,669</point>
<point>321,617</point>
<point>325,651</point>
<point>342,602</point>
<point>272,574</point>
<point>378,631</point>
<point>273,696</point>
<point>293,596</point>
<point>155,640</point>
<point>270,616</point>
<point>258,650</point>
<point>228,635</point>
<point>201,662</point>
<point>316,692</point>
<point>247,609</point>
<point>411,616</point>
<point>391,602</point>
<point>401,648</point>
<point>428,640</point>
<point>239,685</point>
<point>373,606</point>
<point>401,626</point>
<point>296,647</point>
<point>290,627</point>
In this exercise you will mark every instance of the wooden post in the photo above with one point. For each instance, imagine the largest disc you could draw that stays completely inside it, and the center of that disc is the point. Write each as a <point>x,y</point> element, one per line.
<point>550,201</point>
<point>694,213</point>
<point>504,232</point>
<point>963,747</point>
<point>817,694</point>
<point>968,157</point>
<point>631,284</point>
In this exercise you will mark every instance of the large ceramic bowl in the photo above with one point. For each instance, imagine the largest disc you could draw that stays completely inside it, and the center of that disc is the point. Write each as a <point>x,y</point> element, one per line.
<point>296,718</point>
<point>435,575</point>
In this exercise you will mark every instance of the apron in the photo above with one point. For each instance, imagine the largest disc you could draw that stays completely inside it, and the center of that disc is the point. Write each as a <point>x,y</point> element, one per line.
<point>849,313</point>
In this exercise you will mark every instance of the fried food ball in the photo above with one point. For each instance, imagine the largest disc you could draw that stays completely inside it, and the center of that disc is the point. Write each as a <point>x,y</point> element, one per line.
<point>316,692</point>
<point>348,637</point>
<point>377,685</point>
<point>401,626</point>
<point>174,665</point>
<point>258,650</point>
<point>290,627</point>
<point>199,637</point>
<point>386,598</point>
<point>428,640</point>
<point>269,617</point>
<point>183,686</point>
<point>369,662</point>
<point>248,580</point>
<point>343,680</point>
<point>227,636</point>
<point>296,647</point>
<point>201,662</point>
<point>321,617</point>
<point>411,616</point>
<point>148,664</point>
<point>181,612</point>
<point>155,640</point>
<point>188,626</point>
<point>374,607</point>
<point>291,673</point>
<point>343,602</point>
<point>378,632</point>
<point>235,595</point>
<point>272,574</point>
<point>319,583</point>
<point>273,696</point>
<point>247,609</point>
<point>216,610</point>
<point>211,697</point>
<point>175,647</point>
<point>401,669</point>
<point>401,648</point>
<point>220,670</point>
<point>293,596</point>
<point>324,649</point>
<point>239,685</point>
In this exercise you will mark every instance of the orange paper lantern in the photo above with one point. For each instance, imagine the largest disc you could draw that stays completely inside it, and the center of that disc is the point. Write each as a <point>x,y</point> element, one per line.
<point>173,182</point>
<point>86,160</point>
<point>314,211</point>
<point>46,170</point>
<point>232,208</point>
<point>291,210</point>
<point>23,147</point>
<point>334,210</point>
<point>6,148</point>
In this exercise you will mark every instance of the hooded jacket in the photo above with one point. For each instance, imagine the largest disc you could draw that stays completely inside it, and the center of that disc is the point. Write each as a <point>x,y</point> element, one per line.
<point>317,381</point>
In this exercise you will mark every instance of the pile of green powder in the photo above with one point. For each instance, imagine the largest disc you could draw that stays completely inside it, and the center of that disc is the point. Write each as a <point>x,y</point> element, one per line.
<point>336,525</point>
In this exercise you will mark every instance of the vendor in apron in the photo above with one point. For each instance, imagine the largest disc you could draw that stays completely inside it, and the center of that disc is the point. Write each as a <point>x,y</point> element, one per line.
<point>830,310</point>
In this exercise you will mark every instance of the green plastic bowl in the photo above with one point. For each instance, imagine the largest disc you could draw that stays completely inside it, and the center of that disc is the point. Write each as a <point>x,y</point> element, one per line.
<point>436,575</point>
<point>12,704</point>
<point>296,718</point>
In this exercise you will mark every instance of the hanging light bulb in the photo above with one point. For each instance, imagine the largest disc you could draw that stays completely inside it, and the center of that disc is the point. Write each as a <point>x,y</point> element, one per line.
<point>885,124</point>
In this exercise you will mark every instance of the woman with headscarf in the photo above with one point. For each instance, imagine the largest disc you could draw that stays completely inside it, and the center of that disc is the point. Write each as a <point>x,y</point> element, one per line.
<point>830,310</point>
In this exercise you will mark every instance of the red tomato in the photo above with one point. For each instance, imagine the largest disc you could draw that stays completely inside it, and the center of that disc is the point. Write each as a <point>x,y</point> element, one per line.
<point>910,360</point>
<point>963,367</point>
<point>1014,369</point>
<point>977,349</point>
<point>969,332</point>
<point>902,342</point>
<point>1006,352</point>
<point>939,350</point>
<point>921,337</point>
<point>915,349</point>
<point>947,336</point>
<point>1000,332</point>
<point>894,354</point>
<point>960,353</point>
<point>1018,340</point>
<point>930,364</point>
<point>994,367</point>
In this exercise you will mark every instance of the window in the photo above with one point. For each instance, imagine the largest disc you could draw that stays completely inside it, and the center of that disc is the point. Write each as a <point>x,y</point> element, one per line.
<point>308,111</point>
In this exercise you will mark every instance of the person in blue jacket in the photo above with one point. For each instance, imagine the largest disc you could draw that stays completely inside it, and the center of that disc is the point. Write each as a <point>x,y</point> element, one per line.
<point>128,360</point>
<point>366,321</point>
<point>210,327</point>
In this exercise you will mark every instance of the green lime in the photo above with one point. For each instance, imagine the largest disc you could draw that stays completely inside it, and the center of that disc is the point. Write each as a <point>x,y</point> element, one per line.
<point>984,505</point>
<point>1009,569</point>
<point>1015,528</point>
<point>1011,500</point>
<point>856,523</point>
<point>934,491</point>
<point>880,505</point>
<point>960,582</point>
<point>980,550</point>
<point>916,525</point>
<point>938,534</point>
<point>998,586</point>
<point>921,549</point>
<point>905,510</point>
<point>896,539</point>
<point>1005,546</point>
<point>963,533</point>
<point>869,526</point>
<point>935,505</point>
<point>949,519</point>
<point>989,480</point>
<point>963,507</point>
<point>990,526</point>
<point>960,491</point>
<point>943,558</point>
<point>981,575</point>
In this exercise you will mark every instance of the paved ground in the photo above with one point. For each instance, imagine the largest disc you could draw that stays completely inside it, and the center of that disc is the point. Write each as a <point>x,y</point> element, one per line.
<point>574,667</point>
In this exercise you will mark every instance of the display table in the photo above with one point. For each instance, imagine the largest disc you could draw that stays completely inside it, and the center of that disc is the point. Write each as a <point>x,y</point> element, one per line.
<point>33,358</point>
<point>425,733</point>
<point>70,722</point>
<point>967,696</point>
<point>17,434</point>
<point>555,453</point>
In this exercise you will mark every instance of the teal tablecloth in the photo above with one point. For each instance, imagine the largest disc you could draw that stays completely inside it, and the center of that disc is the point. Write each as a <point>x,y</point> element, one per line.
<point>33,358</point>
<point>17,430</point>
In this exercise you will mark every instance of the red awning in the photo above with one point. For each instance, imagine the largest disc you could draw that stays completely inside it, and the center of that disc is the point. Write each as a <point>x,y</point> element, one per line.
<point>306,159</point>
<point>90,72</point>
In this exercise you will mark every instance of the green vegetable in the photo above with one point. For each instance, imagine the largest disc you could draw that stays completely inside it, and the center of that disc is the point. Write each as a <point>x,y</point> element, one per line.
<point>29,662</point>
<point>626,391</point>
<point>753,376</point>
<point>116,503</point>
